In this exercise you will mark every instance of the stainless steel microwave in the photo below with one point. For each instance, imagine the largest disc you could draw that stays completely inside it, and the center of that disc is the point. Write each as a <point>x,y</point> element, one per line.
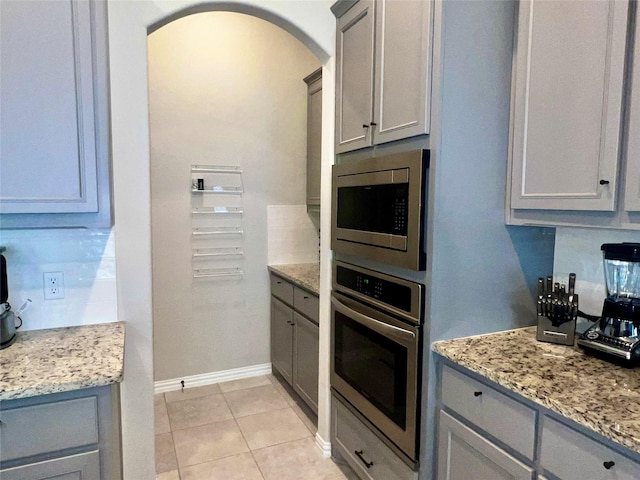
<point>378,208</point>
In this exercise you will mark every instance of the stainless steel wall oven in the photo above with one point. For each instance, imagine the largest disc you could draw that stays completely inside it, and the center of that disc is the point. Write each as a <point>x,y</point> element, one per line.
<point>378,208</point>
<point>376,352</point>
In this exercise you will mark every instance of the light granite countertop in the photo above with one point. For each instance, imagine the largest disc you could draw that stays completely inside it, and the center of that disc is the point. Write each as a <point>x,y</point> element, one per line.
<point>596,394</point>
<point>62,359</point>
<point>306,275</point>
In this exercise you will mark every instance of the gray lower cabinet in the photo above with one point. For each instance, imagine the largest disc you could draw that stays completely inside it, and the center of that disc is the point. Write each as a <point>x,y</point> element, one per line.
<point>589,458</point>
<point>486,434</point>
<point>294,338</point>
<point>305,360</point>
<point>84,466</point>
<point>282,338</point>
<point>54,121</point>
<point>465,454</point>
<point>368,456</point>
<point>70,435</point>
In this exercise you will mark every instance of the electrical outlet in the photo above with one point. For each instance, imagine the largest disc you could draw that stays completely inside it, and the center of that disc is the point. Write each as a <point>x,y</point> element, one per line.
<point>53,285</point>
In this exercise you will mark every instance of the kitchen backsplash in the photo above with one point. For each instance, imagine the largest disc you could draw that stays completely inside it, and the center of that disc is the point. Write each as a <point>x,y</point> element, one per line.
<point>578,250</point>
<point>293,235</point>
<point>87,260</point>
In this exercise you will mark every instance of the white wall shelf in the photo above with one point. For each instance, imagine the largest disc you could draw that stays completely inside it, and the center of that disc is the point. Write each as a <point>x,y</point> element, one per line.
<point>221,252</point>
<point>218,211</point>
<point>216,223</point>
<point>215,169</point>
<point>212,273</point>
<point>204,232</point>
<point>219,189</point>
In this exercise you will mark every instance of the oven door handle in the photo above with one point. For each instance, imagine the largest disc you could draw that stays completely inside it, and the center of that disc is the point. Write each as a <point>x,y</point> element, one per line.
<point>372,323</point>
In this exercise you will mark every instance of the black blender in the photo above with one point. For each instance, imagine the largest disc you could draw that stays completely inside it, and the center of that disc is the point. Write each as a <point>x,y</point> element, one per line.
<point>617,334</point>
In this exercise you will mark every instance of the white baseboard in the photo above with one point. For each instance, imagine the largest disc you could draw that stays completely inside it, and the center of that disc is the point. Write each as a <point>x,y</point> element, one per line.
<point>211,378</point>
<point>323,445</point>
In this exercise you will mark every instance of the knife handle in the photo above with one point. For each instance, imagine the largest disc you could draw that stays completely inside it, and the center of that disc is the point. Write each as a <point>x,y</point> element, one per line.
<point>572,283</point>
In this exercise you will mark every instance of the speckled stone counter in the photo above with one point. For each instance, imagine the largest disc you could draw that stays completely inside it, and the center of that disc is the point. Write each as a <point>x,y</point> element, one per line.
<point>62,359</point>
<point>596,394</point>
<point>307,275</point>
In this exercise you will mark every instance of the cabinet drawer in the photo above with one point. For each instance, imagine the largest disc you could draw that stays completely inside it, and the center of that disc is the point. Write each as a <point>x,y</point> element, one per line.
<point>306,303</point>
<point>509,421</point>
<point>350,435</point>
<point>282,289</point>
<point>50,427</point>
<point>570,455</point>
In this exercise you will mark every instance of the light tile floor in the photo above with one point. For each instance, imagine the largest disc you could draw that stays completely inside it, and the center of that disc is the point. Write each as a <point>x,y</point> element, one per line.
<point>250,429</point>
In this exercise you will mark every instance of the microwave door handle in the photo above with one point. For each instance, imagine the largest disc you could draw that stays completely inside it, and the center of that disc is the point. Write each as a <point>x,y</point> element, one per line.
<point>372,323</point>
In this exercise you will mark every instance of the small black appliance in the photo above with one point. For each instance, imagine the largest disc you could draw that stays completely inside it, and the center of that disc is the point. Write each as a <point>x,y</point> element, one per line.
<point>617,334</point>
<point>7,317</point>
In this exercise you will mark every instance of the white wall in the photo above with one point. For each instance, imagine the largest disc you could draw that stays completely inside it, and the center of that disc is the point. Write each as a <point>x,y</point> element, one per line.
<point>311,21</point>
<point>224,89</point>
<point>87,260</point>
<point>578,251</point>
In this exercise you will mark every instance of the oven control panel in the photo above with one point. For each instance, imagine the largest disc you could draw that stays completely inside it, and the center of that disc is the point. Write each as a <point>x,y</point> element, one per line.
<point>375,286</point>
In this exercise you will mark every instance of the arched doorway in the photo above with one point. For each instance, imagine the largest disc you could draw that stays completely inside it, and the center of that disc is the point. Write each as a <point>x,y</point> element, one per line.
<point>129,22</point>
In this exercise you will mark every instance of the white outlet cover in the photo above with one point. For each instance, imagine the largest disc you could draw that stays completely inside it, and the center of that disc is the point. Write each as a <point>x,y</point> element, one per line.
<point>53,285</point>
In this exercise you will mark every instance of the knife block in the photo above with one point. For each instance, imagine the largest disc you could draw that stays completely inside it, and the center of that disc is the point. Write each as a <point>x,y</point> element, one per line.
<point>563,334</point>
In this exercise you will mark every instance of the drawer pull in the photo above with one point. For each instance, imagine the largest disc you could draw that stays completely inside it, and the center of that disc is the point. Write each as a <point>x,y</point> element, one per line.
<point>477,394</point>
<point>604,182</point>
<point>305,297</point>
<point>359,454</point>
<point>608,465</point>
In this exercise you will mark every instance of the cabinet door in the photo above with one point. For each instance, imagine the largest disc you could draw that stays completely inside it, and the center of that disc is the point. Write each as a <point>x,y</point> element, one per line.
<point>402,69</point>
<point>54,115</point>
<point>567,104</point>
<point>464,454</point>
<point>282,338</point>
<point>632,177</point>
<point>47,143</point>
<point>305,360</point>
<point>354,77</point>
<point>314,137</point>
<point>84,466</point>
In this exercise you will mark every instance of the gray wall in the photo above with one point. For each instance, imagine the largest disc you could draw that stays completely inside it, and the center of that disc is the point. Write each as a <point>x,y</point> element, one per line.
<point>224,89</point>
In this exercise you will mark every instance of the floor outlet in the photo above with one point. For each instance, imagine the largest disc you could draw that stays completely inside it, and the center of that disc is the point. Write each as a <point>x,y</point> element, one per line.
<point>53,285</point>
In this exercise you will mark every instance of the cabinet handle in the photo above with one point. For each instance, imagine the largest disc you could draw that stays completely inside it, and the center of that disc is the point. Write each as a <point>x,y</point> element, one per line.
<point>359,454</point>
<point>608,465</point>
<point>364,125</point>
<point>477,394</point>
<point>373,124</point>
<point>604,182</point>
<point>305,297</point>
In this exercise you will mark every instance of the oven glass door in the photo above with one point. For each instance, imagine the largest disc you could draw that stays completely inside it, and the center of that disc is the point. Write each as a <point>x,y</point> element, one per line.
<point>375,366</point>
<point>372,364</point>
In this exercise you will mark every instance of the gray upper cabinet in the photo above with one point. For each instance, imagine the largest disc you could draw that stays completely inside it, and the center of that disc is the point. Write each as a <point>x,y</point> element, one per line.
<point>54,114</point>
<point>383,70</point>
<point>567,104</point>
<point>632,177</point>
<point>354,77</point>
<point>314,136</point>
